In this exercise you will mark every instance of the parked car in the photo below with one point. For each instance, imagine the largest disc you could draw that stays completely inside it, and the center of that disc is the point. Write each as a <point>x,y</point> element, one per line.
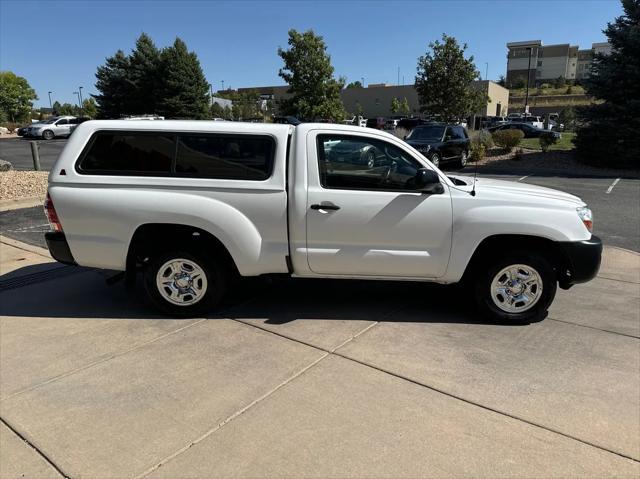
<point>377,123</point>
<point>357,121</point>
<point>286,120</point>
<point>441,143</point>
<point>277,199</point>
<point>391,123</point>
<point>514,116</point>
<point>53,127</point>
<point>529,130</point>
<point>410,123</point>
<point>555,125</point>
<point>534,121</point>
<point>22,131</point>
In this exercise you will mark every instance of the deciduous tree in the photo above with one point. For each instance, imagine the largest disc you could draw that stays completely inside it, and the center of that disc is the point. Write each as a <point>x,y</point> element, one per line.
<point>444,81</point>
<point>16,97</point>
<point>309,74</point>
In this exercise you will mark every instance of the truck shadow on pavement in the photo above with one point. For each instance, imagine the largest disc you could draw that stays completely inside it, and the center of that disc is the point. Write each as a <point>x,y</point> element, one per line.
<point>81,293</point>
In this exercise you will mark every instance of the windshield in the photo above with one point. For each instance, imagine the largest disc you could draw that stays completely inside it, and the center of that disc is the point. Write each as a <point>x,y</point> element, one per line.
<point>52,120</point>
<point>426,133</point>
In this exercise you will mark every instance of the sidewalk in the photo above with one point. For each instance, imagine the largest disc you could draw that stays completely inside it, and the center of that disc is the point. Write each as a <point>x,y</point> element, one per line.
<point>369,379</point>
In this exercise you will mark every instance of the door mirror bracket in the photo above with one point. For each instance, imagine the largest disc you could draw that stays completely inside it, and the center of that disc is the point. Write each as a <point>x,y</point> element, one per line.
<point>428,182</point>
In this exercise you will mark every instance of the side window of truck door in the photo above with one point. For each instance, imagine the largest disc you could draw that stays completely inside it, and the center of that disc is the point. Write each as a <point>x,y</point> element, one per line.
<point>361,163</point>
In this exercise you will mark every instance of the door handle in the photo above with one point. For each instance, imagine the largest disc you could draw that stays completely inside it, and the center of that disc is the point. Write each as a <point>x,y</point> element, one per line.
<point>325,207</point>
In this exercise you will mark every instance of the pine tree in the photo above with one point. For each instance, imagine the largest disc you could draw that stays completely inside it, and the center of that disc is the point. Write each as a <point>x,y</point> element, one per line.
<point>114,99</point>
<point>184,92</point>
<point>610,136</point>
<point>143,77</point>
<point>309,74</point>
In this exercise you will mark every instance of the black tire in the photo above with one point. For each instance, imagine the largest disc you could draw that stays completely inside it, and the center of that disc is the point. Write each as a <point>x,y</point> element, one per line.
<point>217,278</point>
<point>48,135</point>
<point>484,277</point>
<point>435,159</point>
<point>462,162</point>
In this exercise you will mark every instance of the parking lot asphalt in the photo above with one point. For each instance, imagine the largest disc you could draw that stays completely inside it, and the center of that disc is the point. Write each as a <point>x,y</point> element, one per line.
<point>18,152</point>
<point>366,379</point>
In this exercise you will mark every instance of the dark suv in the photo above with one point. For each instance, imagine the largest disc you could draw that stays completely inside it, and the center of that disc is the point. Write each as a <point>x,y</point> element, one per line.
<point>441,143</point>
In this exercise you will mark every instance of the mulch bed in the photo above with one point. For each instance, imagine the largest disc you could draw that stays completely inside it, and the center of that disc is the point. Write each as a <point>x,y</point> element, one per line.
<point>532,161</point>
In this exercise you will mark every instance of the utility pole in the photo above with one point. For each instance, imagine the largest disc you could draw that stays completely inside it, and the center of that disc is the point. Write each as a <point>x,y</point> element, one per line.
<point>486,74</point>
<point>222,85</point>
<point>50,104</point>
<point>78,97</point>
<point>398,76</point>
<point>526,97</point>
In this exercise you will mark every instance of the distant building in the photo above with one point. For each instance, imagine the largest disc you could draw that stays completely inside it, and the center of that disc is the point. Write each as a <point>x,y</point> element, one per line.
<point>549,62</point>
<point>375,100</point>
<point>223,102</point>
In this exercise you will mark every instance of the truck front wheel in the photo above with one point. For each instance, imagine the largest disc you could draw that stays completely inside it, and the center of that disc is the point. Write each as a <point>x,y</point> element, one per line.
<point>518,288</point>
<point>183,284</point>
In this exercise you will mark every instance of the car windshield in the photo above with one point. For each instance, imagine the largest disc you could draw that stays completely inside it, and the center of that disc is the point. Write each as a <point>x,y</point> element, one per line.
<point>429,132</point>
<point>52,120</point>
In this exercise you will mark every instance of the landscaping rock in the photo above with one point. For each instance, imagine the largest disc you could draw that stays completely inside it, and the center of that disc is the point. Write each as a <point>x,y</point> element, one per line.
<point>4,130</point>
<point>5,165</point>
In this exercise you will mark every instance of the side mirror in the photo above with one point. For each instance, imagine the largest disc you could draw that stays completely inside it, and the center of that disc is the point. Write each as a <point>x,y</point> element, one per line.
<point>404,137</point>
<point>428,182</point>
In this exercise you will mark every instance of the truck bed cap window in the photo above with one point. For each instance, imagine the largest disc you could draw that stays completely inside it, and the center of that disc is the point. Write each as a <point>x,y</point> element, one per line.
<point>195,155</point>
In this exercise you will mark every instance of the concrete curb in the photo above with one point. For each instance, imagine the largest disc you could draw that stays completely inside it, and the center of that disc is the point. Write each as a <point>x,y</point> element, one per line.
<point>25,246</point>
<point>8,205</point>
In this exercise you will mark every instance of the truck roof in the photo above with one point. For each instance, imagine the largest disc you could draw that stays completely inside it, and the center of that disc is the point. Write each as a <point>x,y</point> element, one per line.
<point>210,125</point>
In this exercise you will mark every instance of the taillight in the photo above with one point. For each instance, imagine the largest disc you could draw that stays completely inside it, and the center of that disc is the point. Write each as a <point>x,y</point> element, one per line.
<point>52,216</point>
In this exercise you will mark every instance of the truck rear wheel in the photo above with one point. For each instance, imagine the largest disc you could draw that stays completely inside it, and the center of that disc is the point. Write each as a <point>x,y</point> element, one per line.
<point>183,284</point>
<point>518,288</point>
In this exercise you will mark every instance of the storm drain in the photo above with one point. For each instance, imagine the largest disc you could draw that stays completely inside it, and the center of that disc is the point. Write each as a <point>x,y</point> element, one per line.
<point>39,277</point>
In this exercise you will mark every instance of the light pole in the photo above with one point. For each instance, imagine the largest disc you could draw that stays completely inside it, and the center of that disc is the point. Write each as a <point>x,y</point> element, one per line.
<point>526,97</point>
<point>222,81</point>
<point>50,104</point>
<point>80,95</point>
<point>486,72</point>
<point>362,78</point>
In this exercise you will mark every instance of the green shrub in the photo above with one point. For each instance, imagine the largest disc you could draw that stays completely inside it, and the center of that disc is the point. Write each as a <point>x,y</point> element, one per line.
<point>485,138</point>
<point>477,151</point>
<point>546,140</point>
<point>507,139</point>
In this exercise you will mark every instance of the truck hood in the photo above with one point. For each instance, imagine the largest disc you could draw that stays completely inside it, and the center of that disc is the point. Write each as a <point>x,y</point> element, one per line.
<point>488,186</point>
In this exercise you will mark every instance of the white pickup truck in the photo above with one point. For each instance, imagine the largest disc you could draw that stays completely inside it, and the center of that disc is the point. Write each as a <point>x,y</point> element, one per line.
<point>191,205</point>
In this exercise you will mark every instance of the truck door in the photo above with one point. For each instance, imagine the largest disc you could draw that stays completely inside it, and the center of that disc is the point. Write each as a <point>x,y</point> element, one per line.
<point>364,218</point>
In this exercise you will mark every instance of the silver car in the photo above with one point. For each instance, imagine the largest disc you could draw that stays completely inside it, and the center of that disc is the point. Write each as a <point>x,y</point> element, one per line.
<point>56,126</point>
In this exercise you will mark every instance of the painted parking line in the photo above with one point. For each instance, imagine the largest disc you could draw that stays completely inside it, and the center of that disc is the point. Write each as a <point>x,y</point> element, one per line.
<point>524,177</point>
<point>613,185</point>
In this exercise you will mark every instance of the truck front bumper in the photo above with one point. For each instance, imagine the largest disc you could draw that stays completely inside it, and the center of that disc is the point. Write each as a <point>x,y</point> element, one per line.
<point>582,261</point>
<point>58,247</point>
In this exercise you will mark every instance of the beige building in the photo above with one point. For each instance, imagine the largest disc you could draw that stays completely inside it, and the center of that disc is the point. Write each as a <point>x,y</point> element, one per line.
<point>549,62</point>
<point>375,100</point>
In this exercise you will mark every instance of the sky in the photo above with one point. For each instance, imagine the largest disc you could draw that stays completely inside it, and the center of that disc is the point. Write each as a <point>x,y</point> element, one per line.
<point>57,45</point>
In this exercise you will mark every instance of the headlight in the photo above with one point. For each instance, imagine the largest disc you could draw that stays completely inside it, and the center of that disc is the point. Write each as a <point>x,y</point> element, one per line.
<point>586,216</point>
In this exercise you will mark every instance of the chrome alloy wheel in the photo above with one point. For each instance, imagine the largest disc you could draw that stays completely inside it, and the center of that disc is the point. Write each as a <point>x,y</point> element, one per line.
<point>517,288</point>
<point>181,282</point>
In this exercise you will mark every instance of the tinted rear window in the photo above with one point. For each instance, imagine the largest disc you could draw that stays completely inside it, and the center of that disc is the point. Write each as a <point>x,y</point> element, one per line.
<point>129,154</point>
<point>225,157</point>
<point>219,156</point>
